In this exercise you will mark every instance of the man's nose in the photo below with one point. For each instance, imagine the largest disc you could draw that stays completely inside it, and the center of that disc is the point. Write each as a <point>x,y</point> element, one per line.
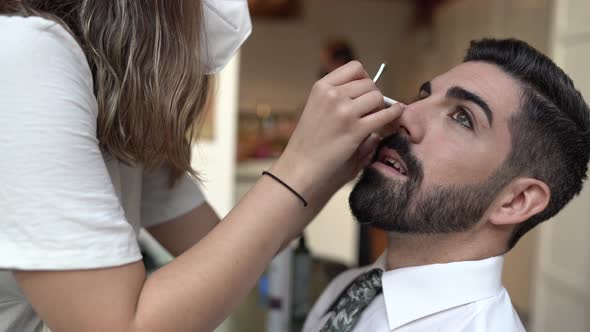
<point>411,123</point>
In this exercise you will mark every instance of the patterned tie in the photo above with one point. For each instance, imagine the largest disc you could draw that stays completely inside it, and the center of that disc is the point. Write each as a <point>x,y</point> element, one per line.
<point>348,307</point>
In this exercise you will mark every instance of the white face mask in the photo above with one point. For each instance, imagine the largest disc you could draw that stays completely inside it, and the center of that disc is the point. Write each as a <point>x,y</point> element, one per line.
<point>227,25</point>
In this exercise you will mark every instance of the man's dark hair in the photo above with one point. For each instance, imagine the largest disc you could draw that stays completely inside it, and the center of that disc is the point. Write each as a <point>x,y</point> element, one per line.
<point>551,135</point>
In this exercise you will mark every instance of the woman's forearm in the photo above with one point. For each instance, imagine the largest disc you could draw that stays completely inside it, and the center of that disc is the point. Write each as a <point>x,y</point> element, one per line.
<point>202,286</point>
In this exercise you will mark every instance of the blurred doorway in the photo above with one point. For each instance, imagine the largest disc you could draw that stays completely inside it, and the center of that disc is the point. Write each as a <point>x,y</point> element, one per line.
<point>561,294</point>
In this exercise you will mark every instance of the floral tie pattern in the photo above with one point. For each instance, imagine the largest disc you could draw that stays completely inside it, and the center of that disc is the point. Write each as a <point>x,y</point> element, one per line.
<point>348,307</point>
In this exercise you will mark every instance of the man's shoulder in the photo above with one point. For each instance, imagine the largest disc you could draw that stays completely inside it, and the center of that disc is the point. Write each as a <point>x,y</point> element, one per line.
<point>492,314</point>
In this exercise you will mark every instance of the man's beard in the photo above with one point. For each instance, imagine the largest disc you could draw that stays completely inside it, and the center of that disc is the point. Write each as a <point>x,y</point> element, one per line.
<point>403,206</point>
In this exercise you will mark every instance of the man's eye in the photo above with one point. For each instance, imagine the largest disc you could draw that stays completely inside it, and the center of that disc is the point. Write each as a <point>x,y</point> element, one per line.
<point>463,118</point>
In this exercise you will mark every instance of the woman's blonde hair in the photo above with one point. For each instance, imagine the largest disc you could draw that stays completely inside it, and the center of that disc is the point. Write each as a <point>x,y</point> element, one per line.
<point>149,79</point>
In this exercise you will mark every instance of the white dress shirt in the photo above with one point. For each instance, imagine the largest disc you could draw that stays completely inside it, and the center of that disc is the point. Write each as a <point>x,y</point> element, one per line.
<point>460,296</point>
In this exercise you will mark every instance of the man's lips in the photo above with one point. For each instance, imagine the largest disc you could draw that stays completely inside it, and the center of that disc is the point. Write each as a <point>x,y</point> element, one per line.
<point>390,161</point>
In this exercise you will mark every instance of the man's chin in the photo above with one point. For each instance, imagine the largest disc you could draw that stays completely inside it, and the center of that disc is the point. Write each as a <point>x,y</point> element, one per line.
<point>376,199</point>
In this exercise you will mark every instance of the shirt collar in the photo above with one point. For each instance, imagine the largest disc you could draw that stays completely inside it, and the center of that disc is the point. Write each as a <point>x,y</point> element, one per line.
<point>415,292</point>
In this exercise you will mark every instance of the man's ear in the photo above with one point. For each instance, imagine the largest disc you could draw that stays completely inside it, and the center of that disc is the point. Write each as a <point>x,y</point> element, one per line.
<point>521,199</point>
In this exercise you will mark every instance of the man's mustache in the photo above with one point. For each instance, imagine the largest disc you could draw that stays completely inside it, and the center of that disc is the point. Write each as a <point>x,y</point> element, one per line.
<point>403,147</point>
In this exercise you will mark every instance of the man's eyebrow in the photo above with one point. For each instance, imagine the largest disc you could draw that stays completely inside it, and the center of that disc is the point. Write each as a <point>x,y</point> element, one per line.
<point>425,87</point>
<point>460,93</point>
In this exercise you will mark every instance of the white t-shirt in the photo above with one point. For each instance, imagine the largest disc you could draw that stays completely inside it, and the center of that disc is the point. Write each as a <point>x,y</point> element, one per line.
<point>64,204</point>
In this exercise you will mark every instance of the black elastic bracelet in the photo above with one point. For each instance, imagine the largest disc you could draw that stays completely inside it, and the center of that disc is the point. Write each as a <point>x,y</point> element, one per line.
<point>286,186</point>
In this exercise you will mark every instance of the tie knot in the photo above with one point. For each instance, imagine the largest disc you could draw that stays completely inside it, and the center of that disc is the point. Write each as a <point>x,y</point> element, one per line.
<point>374,276</point>
<point>366,286</point>
<point>361,291</point>
<point>350,304</point>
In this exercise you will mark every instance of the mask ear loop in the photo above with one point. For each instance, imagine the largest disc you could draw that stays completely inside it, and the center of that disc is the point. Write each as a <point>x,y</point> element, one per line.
<point>388,101</point>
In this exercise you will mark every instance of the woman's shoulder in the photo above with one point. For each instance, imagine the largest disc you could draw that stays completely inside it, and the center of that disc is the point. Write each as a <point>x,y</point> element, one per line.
<point>24,29</point>
<point>26,38</point>
<point>42,65</point>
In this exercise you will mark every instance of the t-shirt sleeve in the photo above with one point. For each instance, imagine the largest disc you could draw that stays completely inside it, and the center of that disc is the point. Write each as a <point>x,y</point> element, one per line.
<point>58,207</point>
<point>161,203</point>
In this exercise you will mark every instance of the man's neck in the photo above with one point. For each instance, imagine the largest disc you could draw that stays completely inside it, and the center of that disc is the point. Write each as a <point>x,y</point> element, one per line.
<point>406,250</point>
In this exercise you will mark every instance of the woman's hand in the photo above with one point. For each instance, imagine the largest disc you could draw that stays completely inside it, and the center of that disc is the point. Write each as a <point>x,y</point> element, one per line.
<point>336,135</point>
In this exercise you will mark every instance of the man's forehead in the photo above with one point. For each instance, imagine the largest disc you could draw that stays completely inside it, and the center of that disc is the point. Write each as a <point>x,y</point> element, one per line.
<point>501,91</point>
<point>476,73</point>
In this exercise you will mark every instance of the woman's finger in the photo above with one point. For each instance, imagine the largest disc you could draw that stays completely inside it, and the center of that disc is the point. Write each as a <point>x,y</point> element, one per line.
<point>365,157</point>
<point>357,88</point>
<point>367,160</point>
<point>349,72</point>
<point>368,146</point>
<point>376,121</point>
<point>367,103</point>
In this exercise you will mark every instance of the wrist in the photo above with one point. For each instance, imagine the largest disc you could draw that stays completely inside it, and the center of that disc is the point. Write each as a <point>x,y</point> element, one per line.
<point>288,187</point>
<point>295,174</point>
